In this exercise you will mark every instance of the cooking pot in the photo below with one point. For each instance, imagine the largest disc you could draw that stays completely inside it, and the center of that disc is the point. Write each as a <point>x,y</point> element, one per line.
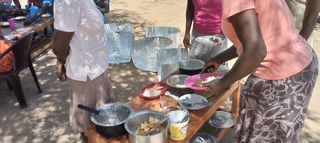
<point>103,126</point>
<point>137,118</point>
<point>176,85</point>
<point>190,67</point>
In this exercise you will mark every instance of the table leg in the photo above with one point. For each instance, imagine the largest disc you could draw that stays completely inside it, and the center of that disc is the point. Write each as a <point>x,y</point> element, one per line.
<point>220,133</point>
<point>235,102</point>
<point>46,31</point>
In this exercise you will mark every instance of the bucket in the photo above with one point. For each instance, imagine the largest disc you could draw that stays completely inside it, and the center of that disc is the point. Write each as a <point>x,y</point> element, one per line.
<point>177,131</point>
<point>33,11</point>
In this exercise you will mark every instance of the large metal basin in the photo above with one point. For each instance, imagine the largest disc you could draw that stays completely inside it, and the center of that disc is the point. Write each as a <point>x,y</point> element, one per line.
<point>137,118</point>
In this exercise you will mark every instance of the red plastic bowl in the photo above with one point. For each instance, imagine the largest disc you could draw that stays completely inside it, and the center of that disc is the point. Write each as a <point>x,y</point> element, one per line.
<point>164,89</point>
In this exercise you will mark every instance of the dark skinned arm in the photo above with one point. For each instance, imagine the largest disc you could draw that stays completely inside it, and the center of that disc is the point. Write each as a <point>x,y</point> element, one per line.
<point>189,19</point>
<point>60,47</point>
<point>310,18</point>
<point>222,57</point>
<point>13,11</point>
<point>17,3</point>
<point>6,10</point>
<point>41,11</point>
<point>247,28</point>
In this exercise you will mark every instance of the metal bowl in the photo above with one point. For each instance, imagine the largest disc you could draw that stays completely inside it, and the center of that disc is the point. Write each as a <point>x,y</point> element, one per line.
<point>137,118</point>
<point>119,110</point>
<point>174,88</point>
<point>204,137</point>
<point>191,66</point>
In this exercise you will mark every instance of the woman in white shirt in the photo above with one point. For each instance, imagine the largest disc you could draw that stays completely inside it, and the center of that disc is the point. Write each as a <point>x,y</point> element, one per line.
<point>79,42</point>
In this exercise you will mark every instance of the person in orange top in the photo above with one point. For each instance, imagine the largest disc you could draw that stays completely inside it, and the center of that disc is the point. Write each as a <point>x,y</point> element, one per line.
<point>6,61</point>
<point>283,67</point>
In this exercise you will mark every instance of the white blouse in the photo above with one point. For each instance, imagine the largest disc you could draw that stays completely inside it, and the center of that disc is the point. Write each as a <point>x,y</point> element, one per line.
<point>88,54</point>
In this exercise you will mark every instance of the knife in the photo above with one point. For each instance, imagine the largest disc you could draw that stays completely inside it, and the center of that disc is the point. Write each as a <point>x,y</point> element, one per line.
<point>206,69</point>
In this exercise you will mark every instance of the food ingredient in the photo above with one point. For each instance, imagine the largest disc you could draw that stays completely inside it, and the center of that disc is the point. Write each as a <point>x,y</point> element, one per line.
<point>215,40</point>
<point>151,92</point>
<point>173,82</point>
<point>157,87</point>
<point>179,85</point>
<point>211,40</point>
<point>112,121</point>
<point>147,126</point>
<point>20,17</point>
<point>210,78</point>
<point>198,82</point>
<point>169,108</point>
<point>4,23</point>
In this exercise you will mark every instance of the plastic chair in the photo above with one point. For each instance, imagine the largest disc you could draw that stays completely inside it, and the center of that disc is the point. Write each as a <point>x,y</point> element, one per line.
<point>21,52</point>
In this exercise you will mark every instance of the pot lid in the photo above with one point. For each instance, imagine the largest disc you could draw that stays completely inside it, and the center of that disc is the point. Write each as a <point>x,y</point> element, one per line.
<point>221,119</point>
<point>202,138</point>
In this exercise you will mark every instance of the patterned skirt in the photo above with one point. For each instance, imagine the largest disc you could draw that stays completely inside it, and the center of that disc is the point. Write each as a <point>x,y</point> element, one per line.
<point>273,111</point>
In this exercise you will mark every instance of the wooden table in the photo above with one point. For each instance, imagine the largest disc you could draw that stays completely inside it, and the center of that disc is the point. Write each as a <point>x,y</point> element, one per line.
<point>197,118</point>
<point>36,48</point>
<point>21,29</point>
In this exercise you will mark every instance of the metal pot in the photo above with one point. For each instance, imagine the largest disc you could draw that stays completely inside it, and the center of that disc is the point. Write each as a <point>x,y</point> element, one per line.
<point>174,88</point>
<point>191,67</point>
<point>119,110</point>
<point>137,118</point>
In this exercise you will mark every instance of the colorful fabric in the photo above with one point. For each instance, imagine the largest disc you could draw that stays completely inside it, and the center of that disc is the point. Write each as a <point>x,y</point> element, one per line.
<point>7,61</point>
<point>285,47</point>
<point>207,16</point>
<point>273,111</point>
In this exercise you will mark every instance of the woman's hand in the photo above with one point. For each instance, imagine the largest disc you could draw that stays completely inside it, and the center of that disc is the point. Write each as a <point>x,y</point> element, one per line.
<point>61,71</point>
<point>186,41</point>
<point>211,66</point>
<point>214,87</point>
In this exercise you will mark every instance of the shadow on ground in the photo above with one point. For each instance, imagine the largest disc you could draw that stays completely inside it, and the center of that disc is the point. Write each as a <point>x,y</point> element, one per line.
<point>47,117</point>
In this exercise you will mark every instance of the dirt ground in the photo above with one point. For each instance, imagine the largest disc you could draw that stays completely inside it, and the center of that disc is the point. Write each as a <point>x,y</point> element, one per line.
<point>46,119</point>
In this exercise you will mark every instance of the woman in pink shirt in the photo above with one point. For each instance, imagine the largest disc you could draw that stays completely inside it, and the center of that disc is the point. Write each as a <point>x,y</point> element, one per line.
<point>206,17</point>
<point>283,68</point>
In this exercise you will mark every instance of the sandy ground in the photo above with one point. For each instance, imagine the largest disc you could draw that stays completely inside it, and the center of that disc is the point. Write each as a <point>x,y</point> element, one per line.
<point>46,118</point>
